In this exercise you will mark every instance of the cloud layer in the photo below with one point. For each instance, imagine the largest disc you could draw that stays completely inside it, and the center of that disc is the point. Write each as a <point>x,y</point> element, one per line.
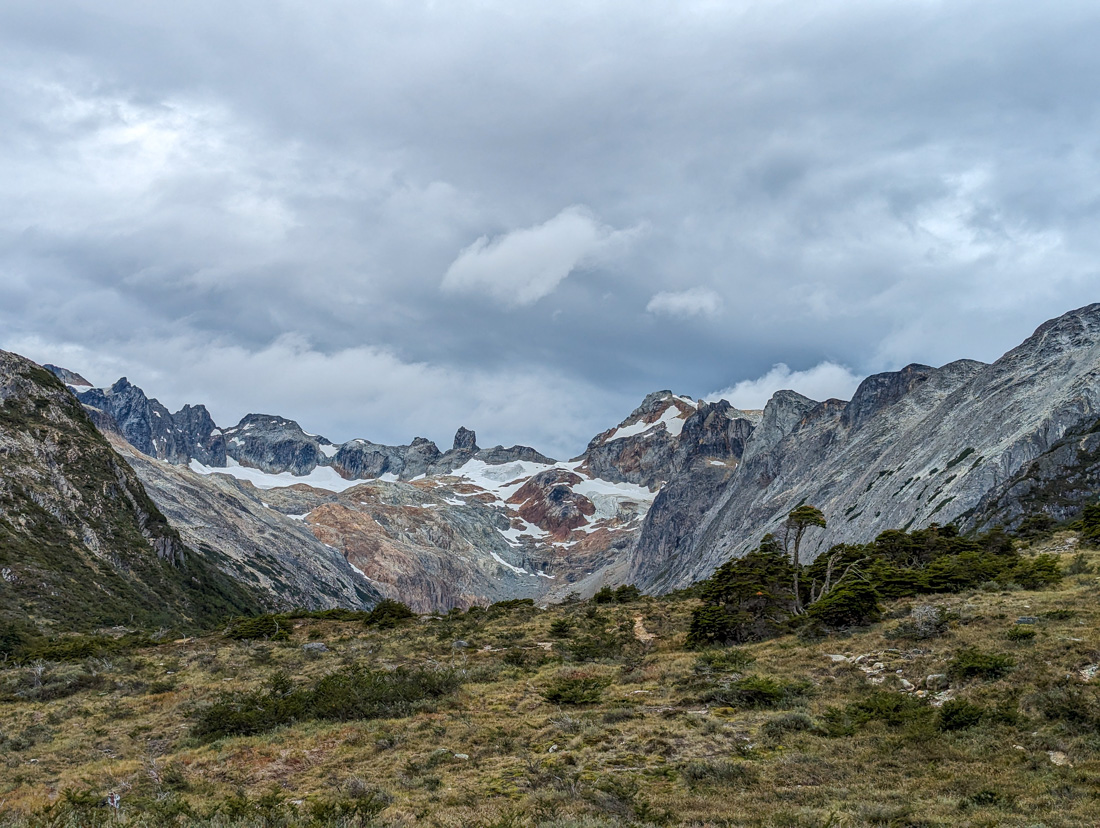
<point>492,207</point>
<point>823,381</point>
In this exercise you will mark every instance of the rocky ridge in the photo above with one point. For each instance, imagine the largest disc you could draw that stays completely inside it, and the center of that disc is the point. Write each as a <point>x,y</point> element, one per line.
<point>912,447</point>
<point>81,542</point>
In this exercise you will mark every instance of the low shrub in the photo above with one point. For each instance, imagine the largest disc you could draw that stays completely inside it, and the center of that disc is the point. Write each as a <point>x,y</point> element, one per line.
<point>1035,573</point>
<point>1074,706</point>
<point>959,714</point>
<point>895,710</point>
<point>625,594</point>
<point>355,693</point>
<point>387,614</point>
<point>757,692</point>
<point>725,660</point>
<point>575,689</point>
<point>853,602</point>
<point>1020,633</point>
<point>974,663</point>
<point>561,628</point>
<point>266,627</point>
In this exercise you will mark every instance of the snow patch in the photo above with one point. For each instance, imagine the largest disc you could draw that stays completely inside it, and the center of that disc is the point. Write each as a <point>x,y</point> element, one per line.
<point>517,570</point>
<point>321,477</point>
<point>671,417</point>
<point>329,451</point>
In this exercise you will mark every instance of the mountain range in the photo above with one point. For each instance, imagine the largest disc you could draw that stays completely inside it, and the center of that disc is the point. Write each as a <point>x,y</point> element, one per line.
<point>659,500</point>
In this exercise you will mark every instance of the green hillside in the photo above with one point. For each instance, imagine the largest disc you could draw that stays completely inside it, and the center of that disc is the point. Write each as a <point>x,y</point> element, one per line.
<point>971,706</point>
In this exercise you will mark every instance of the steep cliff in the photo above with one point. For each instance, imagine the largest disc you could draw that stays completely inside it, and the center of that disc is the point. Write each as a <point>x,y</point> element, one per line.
<point>81,542</point>
<point>912,447</point>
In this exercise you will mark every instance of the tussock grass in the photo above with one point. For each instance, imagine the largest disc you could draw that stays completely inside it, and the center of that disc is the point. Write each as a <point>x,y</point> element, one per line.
<point>536,722</point>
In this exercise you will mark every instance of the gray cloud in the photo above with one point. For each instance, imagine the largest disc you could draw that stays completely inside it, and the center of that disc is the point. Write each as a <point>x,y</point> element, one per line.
<point>188,188</point>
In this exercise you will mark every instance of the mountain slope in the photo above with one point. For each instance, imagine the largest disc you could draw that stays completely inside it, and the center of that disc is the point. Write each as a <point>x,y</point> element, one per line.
<point>912,447</point>
<point>81,542</point>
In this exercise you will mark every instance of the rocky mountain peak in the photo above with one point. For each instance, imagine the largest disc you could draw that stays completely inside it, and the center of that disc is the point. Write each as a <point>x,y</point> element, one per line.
<point>465,440</point>
<point>880,391</point>
<point>68,377</point>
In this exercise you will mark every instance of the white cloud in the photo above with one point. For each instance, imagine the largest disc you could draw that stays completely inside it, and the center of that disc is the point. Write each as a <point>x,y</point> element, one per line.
<point>686,303</point>
<point>522,266</point>
<point>825,380</point>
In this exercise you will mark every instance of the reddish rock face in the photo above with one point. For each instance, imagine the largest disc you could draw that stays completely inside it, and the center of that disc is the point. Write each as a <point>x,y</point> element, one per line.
<point>547,501</point>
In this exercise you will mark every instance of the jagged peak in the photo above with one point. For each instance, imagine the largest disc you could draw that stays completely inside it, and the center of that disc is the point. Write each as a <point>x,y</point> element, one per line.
<point>465,440</point>
<point>68,377</point>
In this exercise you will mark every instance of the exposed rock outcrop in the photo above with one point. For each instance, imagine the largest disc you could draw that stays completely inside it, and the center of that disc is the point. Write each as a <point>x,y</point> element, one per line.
<point>80,540</point>
<point>913,447</point>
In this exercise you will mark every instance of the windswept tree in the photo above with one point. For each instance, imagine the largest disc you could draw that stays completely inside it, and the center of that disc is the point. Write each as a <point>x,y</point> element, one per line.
<point>799,520</point>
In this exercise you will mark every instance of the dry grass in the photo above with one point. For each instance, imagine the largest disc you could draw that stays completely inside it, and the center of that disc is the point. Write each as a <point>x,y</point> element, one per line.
<point>650,751</point>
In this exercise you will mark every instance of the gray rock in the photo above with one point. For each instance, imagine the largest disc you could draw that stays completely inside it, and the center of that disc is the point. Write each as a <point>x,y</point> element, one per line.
<point>459,644</point>
<point>1027,619</point>
<point>914,447</point>
<point>936,682</point>
<point>315,647</point>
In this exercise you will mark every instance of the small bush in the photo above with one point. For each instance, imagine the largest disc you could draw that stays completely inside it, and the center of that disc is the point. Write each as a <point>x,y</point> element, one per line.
<point>1036,573</point>
<point>575,689</point>
<point>1079,565</point>
<point>1020,633</point>
<point>350,694</point>
<point>758,692</point>
<point>265,627</point>
<point>924,622</point>
<point>726,660</point>
<point>561,628</point>
<point>623,595</point>
<point>1076,707</point>
<point>895,710</point>
<point>853,602</point>
<point>959,714</point>
<point>387,614</point>
<point>973,663</point>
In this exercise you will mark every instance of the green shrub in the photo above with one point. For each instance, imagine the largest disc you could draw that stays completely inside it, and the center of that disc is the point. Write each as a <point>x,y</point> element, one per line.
<point>1036,573</point>
<point>1090,525</point>
<point>355,693</point>
<point>852,602</point>
<point>575,689</point>
<point>387,614</point>
<point>758,692</point>
<point>974,663</point>
<point>747,599</point>
<point>895,710</point>
<point>268,627</point>
<point>625,594</point>
<point>727,660</point>
<point>959,714</point>
<point>1075,706</point>
<point>1020,633</point>
<point>561,628</point>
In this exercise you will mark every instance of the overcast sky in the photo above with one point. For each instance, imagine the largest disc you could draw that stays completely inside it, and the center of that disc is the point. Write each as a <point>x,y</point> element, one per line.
<point>387,219</point>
